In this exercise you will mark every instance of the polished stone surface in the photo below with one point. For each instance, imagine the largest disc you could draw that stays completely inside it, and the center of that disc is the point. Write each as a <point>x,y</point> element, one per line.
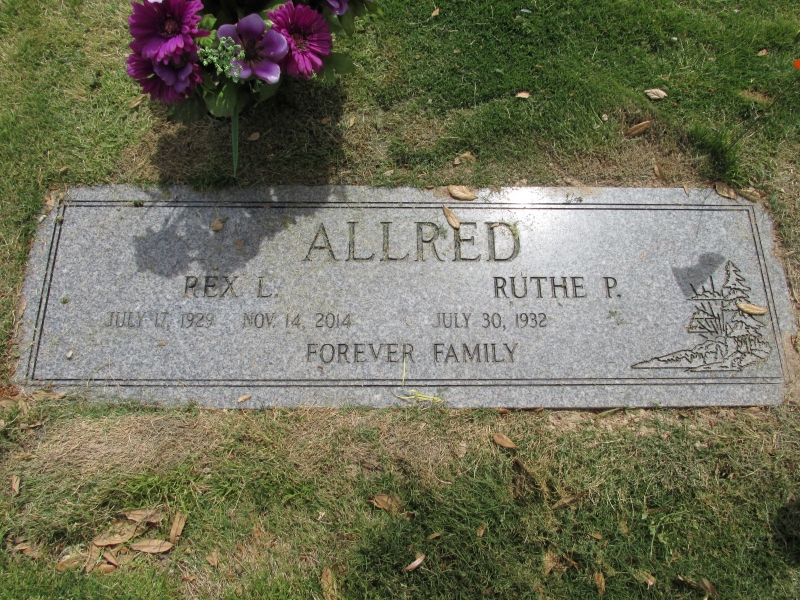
<point>554,297</point>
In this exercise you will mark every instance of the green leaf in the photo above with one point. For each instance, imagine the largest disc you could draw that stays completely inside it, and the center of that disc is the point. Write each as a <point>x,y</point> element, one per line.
<point>268,90</point>
<point>222,103</point>
<point>374,8</point>
<point>191,109</point>
<point>207,22</point>
<point>358,6</point>
<point>209,41</point>
<point>333,23</point>
<point>328,74</point>
<point>341,63</point>
<point>348,22</point>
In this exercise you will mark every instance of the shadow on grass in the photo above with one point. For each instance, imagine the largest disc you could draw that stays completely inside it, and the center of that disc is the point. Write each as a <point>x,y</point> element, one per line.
<point>786,526</point>
<point>299,142</point>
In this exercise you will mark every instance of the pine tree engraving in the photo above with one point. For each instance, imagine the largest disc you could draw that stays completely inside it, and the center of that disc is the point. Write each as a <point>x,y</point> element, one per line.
<point>732,339</point>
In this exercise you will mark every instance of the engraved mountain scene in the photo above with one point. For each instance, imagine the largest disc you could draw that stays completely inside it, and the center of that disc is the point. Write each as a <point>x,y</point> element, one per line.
<point>731,338</point>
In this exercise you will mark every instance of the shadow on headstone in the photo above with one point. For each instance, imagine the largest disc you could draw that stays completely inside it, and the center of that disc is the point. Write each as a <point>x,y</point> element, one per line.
<point>786,528</point>
<point>299,142</point>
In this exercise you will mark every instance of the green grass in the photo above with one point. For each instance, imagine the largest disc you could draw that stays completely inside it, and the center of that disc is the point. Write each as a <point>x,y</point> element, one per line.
<point>283,495</point>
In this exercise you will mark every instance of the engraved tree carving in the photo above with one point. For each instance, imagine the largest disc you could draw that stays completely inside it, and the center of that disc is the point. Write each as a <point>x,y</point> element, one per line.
<point>732,339</point>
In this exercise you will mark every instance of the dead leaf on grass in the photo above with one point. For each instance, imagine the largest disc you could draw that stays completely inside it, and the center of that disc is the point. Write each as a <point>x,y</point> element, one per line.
<point>595,536</point>
<point>451,217</point>
<point>751,309</point>
<point>92,558</point>
<point>751,194</point>
<point>253,136</point>
<point>762,52</point>
<point>352,121</point>
<point>7,403</point>
<point>177,528</point>
<point>391,503</point>
<point>110,558</point>
<point>326,120</point>
<point>564,502</point>
<point>330,590</point>
<point>724,190</point>
<point>433,536</point>
<point>637,129</point>
<point>435,12</point>
<point>145,515</point>
<point>24,426</point>
<point>118,533</point>
<point>600,582</point>
<point>151,546</point>
<point>656,94</point>
<point>461,192</point>
<point>645,577</point>
<point>73,561</point>
<point>188,578</point>
<point>244,398</point>
<point>217,225</point>
<point>28,550</point>
<point>659,172</point>
<point>709,587</point>
<point>523,95</point>
<point>415,564</point>
<point>503,440</point>
<point>481,530</point>
<point>14,485</point>
<point>138,101</point>
<point>461,450</point>
<point>623,527</point>
<point>212,558</point>
<point>106,568</point>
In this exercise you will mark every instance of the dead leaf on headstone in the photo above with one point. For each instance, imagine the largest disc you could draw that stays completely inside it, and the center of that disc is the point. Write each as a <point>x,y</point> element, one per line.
<point>762,52</point>
<point>709,587</point>
<point>72,561</point>
<point>659,172</point>
<point>151,546</point>
<point>244,398</point>
<point>330,590</point>
<point>724,190</point>
<point>253,136</point>
<point>415,564</point>
<point>600,582</point>
<point>145,515</point>
<point>751,309</point>
<point>176,530</point>
<point>637,129</point>
<point>461,192</point>
<point>503,440</point>
<point>685,189</point>
<point>212,558</point>
<point>106,568</point>
<point>656,94</point>
<point>217,225</point>
<point>433,536</point>
<point>481,530</point>
<point>564,502</point>
<point>435,12</point>
<point>14,485</point>
<point>239,244</point>
<point>451,217</point>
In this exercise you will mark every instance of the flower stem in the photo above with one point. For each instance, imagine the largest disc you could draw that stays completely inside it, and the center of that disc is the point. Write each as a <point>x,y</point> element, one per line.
<point>235,138</point>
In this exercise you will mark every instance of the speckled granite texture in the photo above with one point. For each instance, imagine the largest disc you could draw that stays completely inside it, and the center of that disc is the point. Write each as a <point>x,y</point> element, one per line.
<point>551,297</point>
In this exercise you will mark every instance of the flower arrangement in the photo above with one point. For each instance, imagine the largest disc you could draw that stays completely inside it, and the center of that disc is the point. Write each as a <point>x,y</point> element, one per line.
<point>224,56</point>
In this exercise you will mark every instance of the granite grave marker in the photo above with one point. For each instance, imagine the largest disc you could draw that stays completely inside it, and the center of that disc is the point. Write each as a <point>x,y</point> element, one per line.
<point>550,297</point>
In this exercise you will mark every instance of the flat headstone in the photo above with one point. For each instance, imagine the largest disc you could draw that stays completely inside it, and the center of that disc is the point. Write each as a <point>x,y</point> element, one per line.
<point>555,297</point>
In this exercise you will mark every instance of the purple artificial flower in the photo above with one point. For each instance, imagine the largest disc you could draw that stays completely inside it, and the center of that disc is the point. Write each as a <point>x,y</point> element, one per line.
<point>165,28</point>
<point>168,82</point>
<point>262,49</point>
<point>308,35</point>
<point>338,7</point>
